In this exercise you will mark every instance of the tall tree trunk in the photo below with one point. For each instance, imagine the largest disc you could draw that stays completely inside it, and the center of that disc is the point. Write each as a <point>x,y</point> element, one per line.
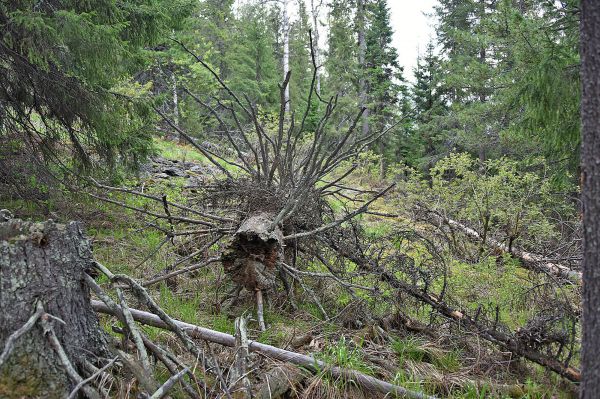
<point>590,165</point>
<point>315,17</point>
<point>45,263</point>
<point>286,50</point>
<point>361,21</point>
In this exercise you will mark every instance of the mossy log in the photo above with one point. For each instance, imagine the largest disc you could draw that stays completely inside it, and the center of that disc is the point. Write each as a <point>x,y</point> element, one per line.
<point>43,264</point>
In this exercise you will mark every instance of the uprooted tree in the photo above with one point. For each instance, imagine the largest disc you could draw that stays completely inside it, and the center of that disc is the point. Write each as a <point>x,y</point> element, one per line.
<point>275,184</point>
<point>265,216</point>
<point>268,213</point>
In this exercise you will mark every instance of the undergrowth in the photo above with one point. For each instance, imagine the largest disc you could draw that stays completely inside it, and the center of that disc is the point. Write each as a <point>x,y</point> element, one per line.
<point>122,243</point>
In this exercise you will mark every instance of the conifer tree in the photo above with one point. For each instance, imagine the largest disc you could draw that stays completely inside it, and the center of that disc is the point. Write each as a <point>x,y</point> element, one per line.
<point>254,66</point>
<point>426,141</point>
<point>65,62</point>
<point>384,78</point>
<point>341,58</point>
<point>300,60</point>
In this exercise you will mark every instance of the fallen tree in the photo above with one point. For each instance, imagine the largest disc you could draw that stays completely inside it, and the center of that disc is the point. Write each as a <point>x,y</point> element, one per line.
<point>364,381</point>
<point>511,342</point>
<point>267,211</point>
<point>529,260</point>
<point>272,189</point>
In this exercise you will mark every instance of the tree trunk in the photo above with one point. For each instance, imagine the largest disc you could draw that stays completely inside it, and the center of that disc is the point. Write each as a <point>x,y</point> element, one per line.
<point>590,165</point>
<point>361,21</point>
<point>45,262</point>
<point>315,18</point>
<point>286,51</point>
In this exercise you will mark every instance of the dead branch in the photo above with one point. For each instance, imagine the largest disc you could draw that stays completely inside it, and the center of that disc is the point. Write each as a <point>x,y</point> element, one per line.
<point>10,342</point>
<point>493,335</point>
<point>529,260</point>
<point>146,381</point>
<point>90,392</point>
<point>91,378</point>
<point>238,376</point>
<point>181,271</point>
<point>308,362</point>
<point>336,223</point>
<point>171,363</point>
<point>135,333</point>
<point>166,387</point>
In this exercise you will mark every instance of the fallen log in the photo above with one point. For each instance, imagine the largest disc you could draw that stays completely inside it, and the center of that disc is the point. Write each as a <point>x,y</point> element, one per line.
<point>364,381</point>
<point>530,260</point>
<point>490,334</point>
<point>504,340</point>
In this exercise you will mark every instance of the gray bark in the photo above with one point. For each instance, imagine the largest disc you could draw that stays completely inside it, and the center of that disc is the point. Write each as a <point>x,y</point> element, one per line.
<point>590,178</point>
<point>315,17</point>
<point>286,50</point>
<point>361,21</point>
<point>45,262</point>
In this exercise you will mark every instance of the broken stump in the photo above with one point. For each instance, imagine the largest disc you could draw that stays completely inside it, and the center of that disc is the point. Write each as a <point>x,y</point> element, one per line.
<point>43,265</point>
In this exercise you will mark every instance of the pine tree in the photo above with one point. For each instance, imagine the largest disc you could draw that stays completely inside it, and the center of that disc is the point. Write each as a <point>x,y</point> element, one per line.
<point>427,139</point>
<point>64,61</point>
<point>384,79</point>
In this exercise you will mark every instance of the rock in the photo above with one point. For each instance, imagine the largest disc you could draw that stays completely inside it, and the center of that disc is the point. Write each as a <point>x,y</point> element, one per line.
<point>193,182</point>
<point>5,215</point>
<point>174,172</point>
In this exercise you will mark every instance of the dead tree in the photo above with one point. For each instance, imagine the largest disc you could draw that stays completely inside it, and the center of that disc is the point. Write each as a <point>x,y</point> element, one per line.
<point>48,329</point>
<point>268,211</point>
<point>275,185</point>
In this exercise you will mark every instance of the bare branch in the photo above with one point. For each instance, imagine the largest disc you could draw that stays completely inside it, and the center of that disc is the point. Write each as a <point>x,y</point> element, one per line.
<point>340,221</point>
<point>166,387</point>
<point>10,341</point>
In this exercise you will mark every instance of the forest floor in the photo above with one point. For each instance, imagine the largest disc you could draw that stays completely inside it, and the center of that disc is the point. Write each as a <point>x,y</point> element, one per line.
<point>444,361</point>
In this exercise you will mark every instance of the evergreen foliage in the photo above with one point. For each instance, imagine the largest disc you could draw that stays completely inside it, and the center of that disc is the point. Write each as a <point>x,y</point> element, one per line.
<point>65,70</point>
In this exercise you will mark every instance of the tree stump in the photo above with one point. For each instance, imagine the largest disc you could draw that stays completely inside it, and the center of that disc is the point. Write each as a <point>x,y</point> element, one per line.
<point>45,263</point>
<point>252,257</point>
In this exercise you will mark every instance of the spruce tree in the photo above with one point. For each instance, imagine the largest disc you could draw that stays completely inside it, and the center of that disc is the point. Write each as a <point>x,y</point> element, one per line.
<point>427,138</point>
<point>64,64</point>
<point>341,58</point>
<point>385,82</point>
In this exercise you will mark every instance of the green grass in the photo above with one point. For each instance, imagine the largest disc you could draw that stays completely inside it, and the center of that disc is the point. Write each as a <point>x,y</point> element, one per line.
<point>223,324</point>
<point>490,282</point>
<point>345,354</point>
<point>183,152</point>
<point>410,348</point>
